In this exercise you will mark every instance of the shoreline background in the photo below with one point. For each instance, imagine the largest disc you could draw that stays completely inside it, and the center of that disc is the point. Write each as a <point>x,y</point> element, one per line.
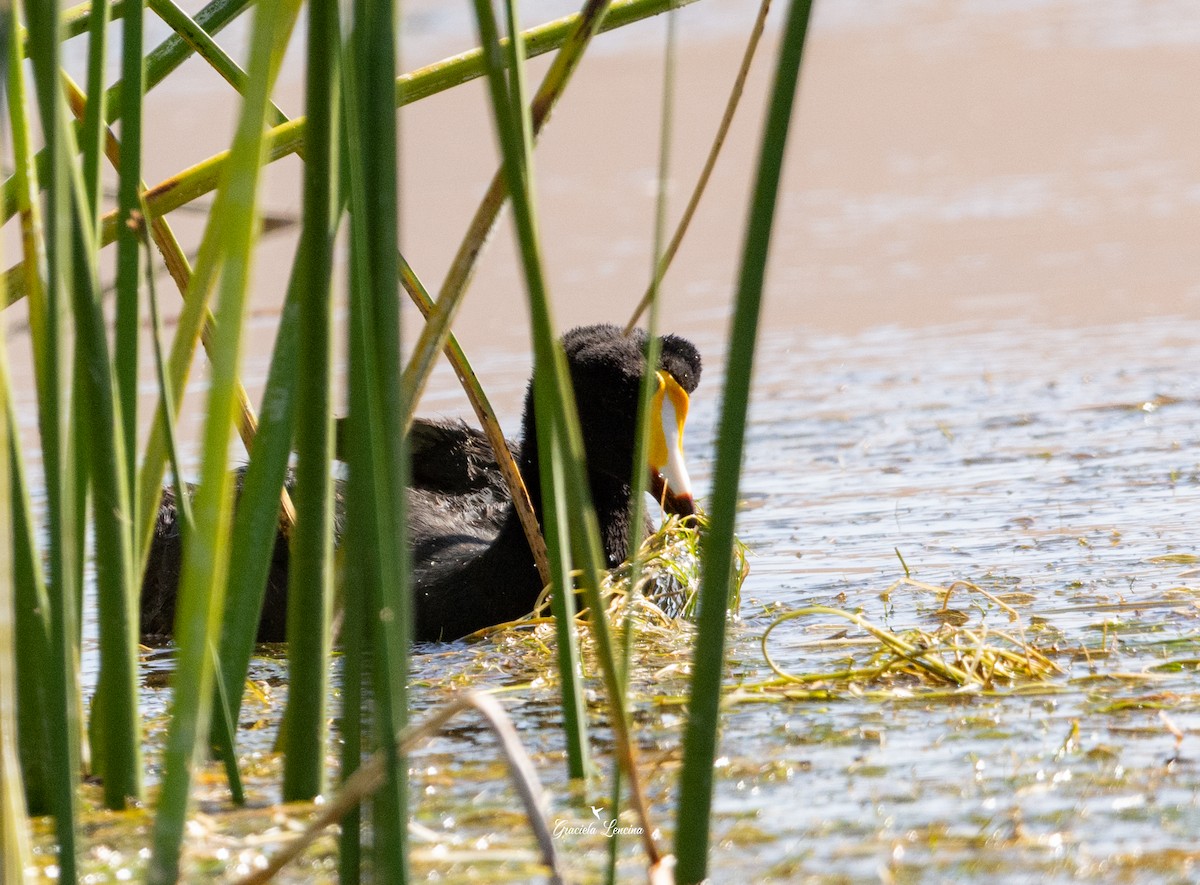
<point>950,165</point>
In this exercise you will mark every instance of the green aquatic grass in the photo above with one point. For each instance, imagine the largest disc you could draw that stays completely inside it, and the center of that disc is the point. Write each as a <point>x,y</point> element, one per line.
<point>15,849</point>
<point>378,458</point>
<point>60,755</point>
<point>700,742</point>
<point>205,563</point>
<point>310,588</point>
<point>103,482</point>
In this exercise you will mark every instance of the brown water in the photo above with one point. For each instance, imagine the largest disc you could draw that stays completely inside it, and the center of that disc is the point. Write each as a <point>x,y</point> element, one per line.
<point>979,349</point>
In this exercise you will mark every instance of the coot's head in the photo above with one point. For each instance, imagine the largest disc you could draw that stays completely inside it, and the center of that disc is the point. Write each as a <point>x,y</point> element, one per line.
<point>607,368</point>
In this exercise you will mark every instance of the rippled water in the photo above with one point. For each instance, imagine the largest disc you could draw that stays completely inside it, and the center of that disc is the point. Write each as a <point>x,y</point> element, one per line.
<point>1058,463</point>
<point>1055,463</point>
<point>1057,468</point>
<point>991,162</point>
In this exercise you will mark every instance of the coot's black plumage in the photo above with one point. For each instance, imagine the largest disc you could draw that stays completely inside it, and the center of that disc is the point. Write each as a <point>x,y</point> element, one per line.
<point>472,566</point>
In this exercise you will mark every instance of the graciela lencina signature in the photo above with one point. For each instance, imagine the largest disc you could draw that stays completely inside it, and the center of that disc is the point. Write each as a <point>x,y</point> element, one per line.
<point>607,827</point>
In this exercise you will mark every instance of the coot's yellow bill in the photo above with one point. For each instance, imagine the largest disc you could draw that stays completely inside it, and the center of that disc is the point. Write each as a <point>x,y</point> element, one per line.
<point>669,480</point>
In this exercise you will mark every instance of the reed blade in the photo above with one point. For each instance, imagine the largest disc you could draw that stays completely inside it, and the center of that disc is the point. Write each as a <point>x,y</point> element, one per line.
<point>694,809</point>
<point>206,552</point>
<point>91,129</point>
<point>378,457</point>
<point>15,854</point>
<point>202,43</point>
<point>161,62</point>
<point>49,325</point>
<point>129,211</point>
<point>310,584</point>
<point>552,386</point>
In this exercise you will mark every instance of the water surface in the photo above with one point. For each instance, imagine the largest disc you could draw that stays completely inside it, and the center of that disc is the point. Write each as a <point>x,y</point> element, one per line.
<point>978,358</point>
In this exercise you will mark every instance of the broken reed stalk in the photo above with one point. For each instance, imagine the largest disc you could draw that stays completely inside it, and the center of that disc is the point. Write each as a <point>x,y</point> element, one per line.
<point>370,777</point>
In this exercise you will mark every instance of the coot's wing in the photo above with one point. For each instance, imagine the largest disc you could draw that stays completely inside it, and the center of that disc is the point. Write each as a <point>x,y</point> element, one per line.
<point>455,479</point>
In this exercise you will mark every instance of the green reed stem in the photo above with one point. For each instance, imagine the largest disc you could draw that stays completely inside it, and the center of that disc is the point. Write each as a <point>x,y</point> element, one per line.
<point>15,854</point>
<point>570,669</point>
<point>188,326</point>
<point>516,127</point>
<point>100,452</point>
<point>557,420</point>
<point>116,715</point>
<point>310,584</point>
<point>256,519</point>
<point>90,132</point>
<point>165,58</point>
<point>202,43</point>
<point>350,718</point>
<point>700,740</point>
<point>352,586</point>
<point>129,201</point>
<point>224,742</point>
<point>32,626</point>
<point>376,523</point>
<point>49,326</point>
<point>288,138</point>
<point>33,612</point>
<point>654,347</point>
<point>206,555</point>
<point>75,21</point>
<point>645,398</point>
<point>161,62</point>
<point>183,501</point>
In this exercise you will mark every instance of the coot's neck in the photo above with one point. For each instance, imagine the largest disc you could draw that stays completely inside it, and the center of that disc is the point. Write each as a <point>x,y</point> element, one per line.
<point>611,495</point>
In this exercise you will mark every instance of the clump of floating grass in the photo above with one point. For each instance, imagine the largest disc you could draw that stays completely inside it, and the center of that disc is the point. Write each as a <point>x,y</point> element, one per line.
<point>668,581</point>
<point>661,603</point>
<point>668,576</point>
<point>960,652</point>
<point>665,586</point>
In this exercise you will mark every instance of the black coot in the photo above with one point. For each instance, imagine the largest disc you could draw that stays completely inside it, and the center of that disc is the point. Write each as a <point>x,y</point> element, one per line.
<point>472,567</point>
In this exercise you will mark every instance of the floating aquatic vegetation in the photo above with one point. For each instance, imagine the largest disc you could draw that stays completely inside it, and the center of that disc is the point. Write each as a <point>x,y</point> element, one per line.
<point>961,651</point>
<point>660,604</point>
<point>666,587</point>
